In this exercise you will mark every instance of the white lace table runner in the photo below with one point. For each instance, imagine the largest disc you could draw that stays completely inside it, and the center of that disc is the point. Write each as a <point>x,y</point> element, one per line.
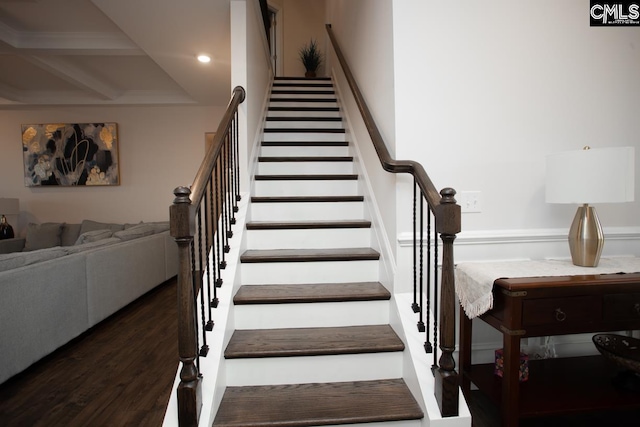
<point>474,280</point>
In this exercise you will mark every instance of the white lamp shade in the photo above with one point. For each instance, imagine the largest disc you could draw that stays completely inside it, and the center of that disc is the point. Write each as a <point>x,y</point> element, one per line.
<point>599,175</point>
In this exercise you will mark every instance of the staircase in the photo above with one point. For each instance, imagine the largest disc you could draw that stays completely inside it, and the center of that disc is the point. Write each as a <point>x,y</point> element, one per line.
<point>312,343</point>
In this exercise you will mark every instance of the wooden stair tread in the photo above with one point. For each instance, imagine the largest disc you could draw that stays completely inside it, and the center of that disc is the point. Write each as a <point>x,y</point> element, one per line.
<point>309,255</point>
<point>288,342</point>
<point>298,225</point>
<point>307,177</point>
<point>276,159</point>
<point>310,292</point>
<point>296,405</point>
<point>305,199</point>
<point>283,84</point>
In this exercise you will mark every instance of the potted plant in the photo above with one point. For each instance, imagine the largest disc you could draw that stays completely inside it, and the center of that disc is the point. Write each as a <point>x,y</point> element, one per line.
<point>311,58</point>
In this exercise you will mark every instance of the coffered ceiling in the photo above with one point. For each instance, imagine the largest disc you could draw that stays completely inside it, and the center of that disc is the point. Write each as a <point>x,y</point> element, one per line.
<point>113,52</point>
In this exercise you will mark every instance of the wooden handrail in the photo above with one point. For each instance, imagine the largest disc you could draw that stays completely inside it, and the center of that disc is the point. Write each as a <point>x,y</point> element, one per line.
<point>447,223</point>
<point>189,205</point>
<point>202,177</point>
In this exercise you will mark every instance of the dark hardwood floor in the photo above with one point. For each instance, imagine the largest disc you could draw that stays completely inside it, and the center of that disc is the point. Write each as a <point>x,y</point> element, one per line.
<point>486,414</point>
<point>119,373</point>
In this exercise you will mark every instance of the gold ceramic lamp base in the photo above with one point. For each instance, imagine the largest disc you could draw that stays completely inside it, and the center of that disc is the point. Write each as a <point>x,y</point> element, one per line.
<point>586,239</point>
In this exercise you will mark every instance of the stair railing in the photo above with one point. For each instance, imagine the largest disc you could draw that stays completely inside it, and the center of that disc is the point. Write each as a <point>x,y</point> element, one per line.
<point>201,218</point>
<point>446,213</point>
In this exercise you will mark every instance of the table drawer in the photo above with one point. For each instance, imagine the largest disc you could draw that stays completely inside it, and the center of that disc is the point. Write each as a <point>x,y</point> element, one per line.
<point>622,307</point>
<point>556,311</point>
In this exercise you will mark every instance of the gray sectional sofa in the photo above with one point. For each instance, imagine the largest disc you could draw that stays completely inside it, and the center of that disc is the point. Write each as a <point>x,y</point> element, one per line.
<point>69,277</point>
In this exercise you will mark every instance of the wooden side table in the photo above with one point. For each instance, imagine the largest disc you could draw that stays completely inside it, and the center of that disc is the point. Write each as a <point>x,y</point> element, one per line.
<point>546,306</point>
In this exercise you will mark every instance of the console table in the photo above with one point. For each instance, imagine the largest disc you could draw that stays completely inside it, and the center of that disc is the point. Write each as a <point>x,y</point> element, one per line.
<point>545,306</point>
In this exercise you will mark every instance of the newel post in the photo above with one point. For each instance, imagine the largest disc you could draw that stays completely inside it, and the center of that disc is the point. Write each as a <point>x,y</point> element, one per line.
<point>447,380</point>
<point>190,387</point>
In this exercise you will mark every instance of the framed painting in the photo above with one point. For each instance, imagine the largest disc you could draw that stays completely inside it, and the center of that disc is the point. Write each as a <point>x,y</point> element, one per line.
<point>70,154</point>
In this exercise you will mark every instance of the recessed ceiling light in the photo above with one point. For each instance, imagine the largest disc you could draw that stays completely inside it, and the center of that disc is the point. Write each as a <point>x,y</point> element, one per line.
<point>204,59</point>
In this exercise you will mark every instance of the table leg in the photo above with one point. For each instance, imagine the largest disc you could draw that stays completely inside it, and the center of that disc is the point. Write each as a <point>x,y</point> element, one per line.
<point>510,380</point>
<point>464,352</point>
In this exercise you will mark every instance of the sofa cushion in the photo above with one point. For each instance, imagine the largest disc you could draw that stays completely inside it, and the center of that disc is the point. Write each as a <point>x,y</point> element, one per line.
<point>88,225</point>
<point>93,236</point>
<point>40,236</point>
<point>70,233</point>
<point>135,232</point>
<point>91,245</point>
<point>20,259</point>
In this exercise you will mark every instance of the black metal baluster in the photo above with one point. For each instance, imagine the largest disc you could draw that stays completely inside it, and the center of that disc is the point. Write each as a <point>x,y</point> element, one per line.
<point>230,184</point>
<point>213,299</point>
<point>421,269</point>
<point>415,307</point>
<point>200,283</point>
<point>428,347</point>
<point>222,231</point>
<point>237,145</point>
<point>195,298</point>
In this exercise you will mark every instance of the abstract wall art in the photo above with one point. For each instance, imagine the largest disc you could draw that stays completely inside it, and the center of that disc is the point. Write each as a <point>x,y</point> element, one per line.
<point>70,154</point>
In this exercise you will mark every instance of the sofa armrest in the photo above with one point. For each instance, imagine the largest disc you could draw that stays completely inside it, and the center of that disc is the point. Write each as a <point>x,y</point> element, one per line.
<point>8,246</point>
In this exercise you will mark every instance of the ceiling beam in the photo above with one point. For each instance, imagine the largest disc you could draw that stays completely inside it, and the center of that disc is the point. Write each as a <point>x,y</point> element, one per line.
<point>74,75</point>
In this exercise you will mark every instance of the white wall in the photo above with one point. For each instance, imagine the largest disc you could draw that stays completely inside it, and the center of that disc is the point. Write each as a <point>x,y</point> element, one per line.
<point>251,69</point>
<point>485,91</point>
<point>302,20</point>
<point>160,148</point>
<point>364,32</point>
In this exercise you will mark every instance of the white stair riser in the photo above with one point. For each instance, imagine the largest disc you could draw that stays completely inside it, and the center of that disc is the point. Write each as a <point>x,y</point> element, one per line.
<point>297,150</point>
<point>306,188</point>
<point>326,314</point>
<point>312,369</point>
<point>273,273</point>
<point>295,168</point>
<point>301,136</point>
<point>303,114</point>
<point>277,96</point>
<point>307,124</point>
<point>296,104</point>
<point>302,211</point>
<point>317,238</point>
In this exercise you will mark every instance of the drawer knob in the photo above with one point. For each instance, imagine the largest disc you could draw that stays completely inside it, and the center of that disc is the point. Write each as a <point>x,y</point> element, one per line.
<point>561,316</point>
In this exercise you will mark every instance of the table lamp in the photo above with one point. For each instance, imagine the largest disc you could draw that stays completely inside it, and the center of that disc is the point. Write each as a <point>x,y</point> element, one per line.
<point>600,175</point>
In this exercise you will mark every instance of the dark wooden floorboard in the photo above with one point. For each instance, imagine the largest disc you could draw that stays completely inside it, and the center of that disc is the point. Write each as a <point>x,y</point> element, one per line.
<point>486,414</point>
<point>119,373</point>
<point>317,404</point>
<point>288,342</point>
<point>310,292</point>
